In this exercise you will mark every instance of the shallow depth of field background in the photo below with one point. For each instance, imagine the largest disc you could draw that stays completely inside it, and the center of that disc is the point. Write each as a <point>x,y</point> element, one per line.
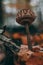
<point>11,7</point>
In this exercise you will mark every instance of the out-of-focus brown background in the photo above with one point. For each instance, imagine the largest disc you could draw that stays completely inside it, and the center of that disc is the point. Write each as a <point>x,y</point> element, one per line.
<point>9,9</point>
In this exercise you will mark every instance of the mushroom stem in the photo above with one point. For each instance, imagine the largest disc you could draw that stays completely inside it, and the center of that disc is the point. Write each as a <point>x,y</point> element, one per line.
<point>28,37</point>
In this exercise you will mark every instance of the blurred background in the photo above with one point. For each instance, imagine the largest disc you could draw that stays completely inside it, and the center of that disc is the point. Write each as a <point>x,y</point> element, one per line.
<point>9,9</point>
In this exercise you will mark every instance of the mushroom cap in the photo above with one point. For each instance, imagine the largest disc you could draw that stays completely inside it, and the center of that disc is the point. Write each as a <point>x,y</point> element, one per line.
<point>25,16</point>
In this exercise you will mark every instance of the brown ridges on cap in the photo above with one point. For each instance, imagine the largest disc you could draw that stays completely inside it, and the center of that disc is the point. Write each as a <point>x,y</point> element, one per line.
<point>25,16</point>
